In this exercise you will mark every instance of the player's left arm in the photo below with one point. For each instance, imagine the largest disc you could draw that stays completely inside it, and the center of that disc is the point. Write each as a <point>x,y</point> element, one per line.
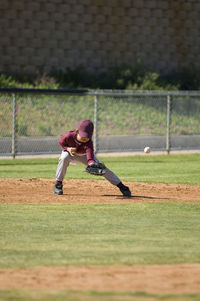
<point>89,149</point>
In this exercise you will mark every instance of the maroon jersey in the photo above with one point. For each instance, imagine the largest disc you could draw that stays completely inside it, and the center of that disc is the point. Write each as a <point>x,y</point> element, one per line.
<point>69,140</point>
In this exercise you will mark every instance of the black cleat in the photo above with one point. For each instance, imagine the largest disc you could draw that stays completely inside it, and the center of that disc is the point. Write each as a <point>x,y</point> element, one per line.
<point>125,191</point>
<point>58,189</point>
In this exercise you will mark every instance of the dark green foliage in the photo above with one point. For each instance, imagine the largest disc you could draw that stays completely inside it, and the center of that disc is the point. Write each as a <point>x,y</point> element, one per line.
<point>124,77</point>
<point>134,77</point>
<point>183,79</point>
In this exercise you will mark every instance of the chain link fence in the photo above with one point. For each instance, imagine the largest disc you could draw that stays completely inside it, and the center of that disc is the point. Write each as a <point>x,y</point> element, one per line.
<point>31,121</point>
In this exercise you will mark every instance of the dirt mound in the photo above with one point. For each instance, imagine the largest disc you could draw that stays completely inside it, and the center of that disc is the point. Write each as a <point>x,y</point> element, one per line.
<point>93,191</point>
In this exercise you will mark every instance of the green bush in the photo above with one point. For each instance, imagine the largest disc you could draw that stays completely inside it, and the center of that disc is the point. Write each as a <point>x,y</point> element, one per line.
<point>19,81</point>
<point>7,81</point>
<point>183,79</point>
<point>124,77</point>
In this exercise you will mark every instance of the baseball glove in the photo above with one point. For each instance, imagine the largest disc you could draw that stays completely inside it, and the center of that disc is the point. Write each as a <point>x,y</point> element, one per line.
<point>96,169</point>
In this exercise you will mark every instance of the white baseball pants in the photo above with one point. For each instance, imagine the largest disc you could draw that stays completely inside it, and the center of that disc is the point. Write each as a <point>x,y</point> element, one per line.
<point>66,158</point>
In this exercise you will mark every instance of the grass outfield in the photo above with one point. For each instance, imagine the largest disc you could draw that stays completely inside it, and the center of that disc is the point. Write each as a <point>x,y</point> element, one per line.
<point>182,169</point>
<point>66,295</point>
<point>97,234</point>
<point>101,234</point>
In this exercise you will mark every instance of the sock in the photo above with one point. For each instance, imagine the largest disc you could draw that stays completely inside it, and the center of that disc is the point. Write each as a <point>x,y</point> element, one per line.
<point>59,182</point>
<point>121,185</point>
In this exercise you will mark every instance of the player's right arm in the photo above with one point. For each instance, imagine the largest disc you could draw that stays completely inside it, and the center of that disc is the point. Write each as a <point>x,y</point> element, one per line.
<point>72,150</point>
<point>67,141</point>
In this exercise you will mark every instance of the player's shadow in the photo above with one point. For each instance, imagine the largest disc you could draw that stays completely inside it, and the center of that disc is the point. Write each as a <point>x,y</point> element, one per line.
<point>134,197</point>
<point>120,196</point>
<point>117,196</point>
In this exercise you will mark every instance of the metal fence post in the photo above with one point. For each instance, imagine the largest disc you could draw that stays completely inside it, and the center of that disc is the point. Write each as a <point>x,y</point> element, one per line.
<point>168,144</point>
<point>95,124</point>
<point>14,142</point>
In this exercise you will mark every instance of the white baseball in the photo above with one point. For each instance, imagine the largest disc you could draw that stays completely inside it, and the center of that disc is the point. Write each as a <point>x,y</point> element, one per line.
<point>147,150</point>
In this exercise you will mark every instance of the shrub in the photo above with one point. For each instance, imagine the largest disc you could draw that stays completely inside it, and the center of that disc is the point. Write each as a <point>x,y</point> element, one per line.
<point>123,77</point>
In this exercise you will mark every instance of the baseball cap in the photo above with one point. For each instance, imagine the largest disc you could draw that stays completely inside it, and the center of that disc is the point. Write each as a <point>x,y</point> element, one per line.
<point>85,129</point>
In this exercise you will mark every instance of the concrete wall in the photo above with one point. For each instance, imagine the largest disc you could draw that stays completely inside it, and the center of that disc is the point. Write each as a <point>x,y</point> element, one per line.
<point>98,34</point>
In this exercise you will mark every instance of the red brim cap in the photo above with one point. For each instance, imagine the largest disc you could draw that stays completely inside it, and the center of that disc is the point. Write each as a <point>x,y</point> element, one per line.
<point>85,129</point>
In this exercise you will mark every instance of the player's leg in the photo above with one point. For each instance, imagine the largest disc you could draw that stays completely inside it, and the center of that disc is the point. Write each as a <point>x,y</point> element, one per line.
<point>63,163</point>
<point>111,177</point>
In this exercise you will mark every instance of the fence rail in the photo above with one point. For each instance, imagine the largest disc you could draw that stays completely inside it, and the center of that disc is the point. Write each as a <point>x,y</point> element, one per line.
<point>32,120</point>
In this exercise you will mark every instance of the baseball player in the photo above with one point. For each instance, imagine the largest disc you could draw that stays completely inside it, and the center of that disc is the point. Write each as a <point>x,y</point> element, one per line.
<point>78,146</point>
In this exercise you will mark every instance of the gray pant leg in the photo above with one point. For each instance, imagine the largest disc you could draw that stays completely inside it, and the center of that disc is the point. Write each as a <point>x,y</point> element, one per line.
<point>110,176</point>
<point>66,158</point>
<point>63,163</point>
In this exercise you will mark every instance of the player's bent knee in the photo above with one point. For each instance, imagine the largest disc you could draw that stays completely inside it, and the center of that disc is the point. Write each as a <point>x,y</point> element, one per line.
<point>65,157</point>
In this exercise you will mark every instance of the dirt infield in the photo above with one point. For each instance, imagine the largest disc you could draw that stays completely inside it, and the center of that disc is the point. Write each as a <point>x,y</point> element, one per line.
<point>180,278</point>
<point>93,191</point>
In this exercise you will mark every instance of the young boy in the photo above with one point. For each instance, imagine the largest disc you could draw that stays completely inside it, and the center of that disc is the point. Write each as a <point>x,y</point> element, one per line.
<point>78,146</point>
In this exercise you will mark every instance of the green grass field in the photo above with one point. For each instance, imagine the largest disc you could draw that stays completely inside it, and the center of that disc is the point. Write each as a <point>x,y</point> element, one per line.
<point>64,295</point>
<point>183,169</point>
<point>101,234</point>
